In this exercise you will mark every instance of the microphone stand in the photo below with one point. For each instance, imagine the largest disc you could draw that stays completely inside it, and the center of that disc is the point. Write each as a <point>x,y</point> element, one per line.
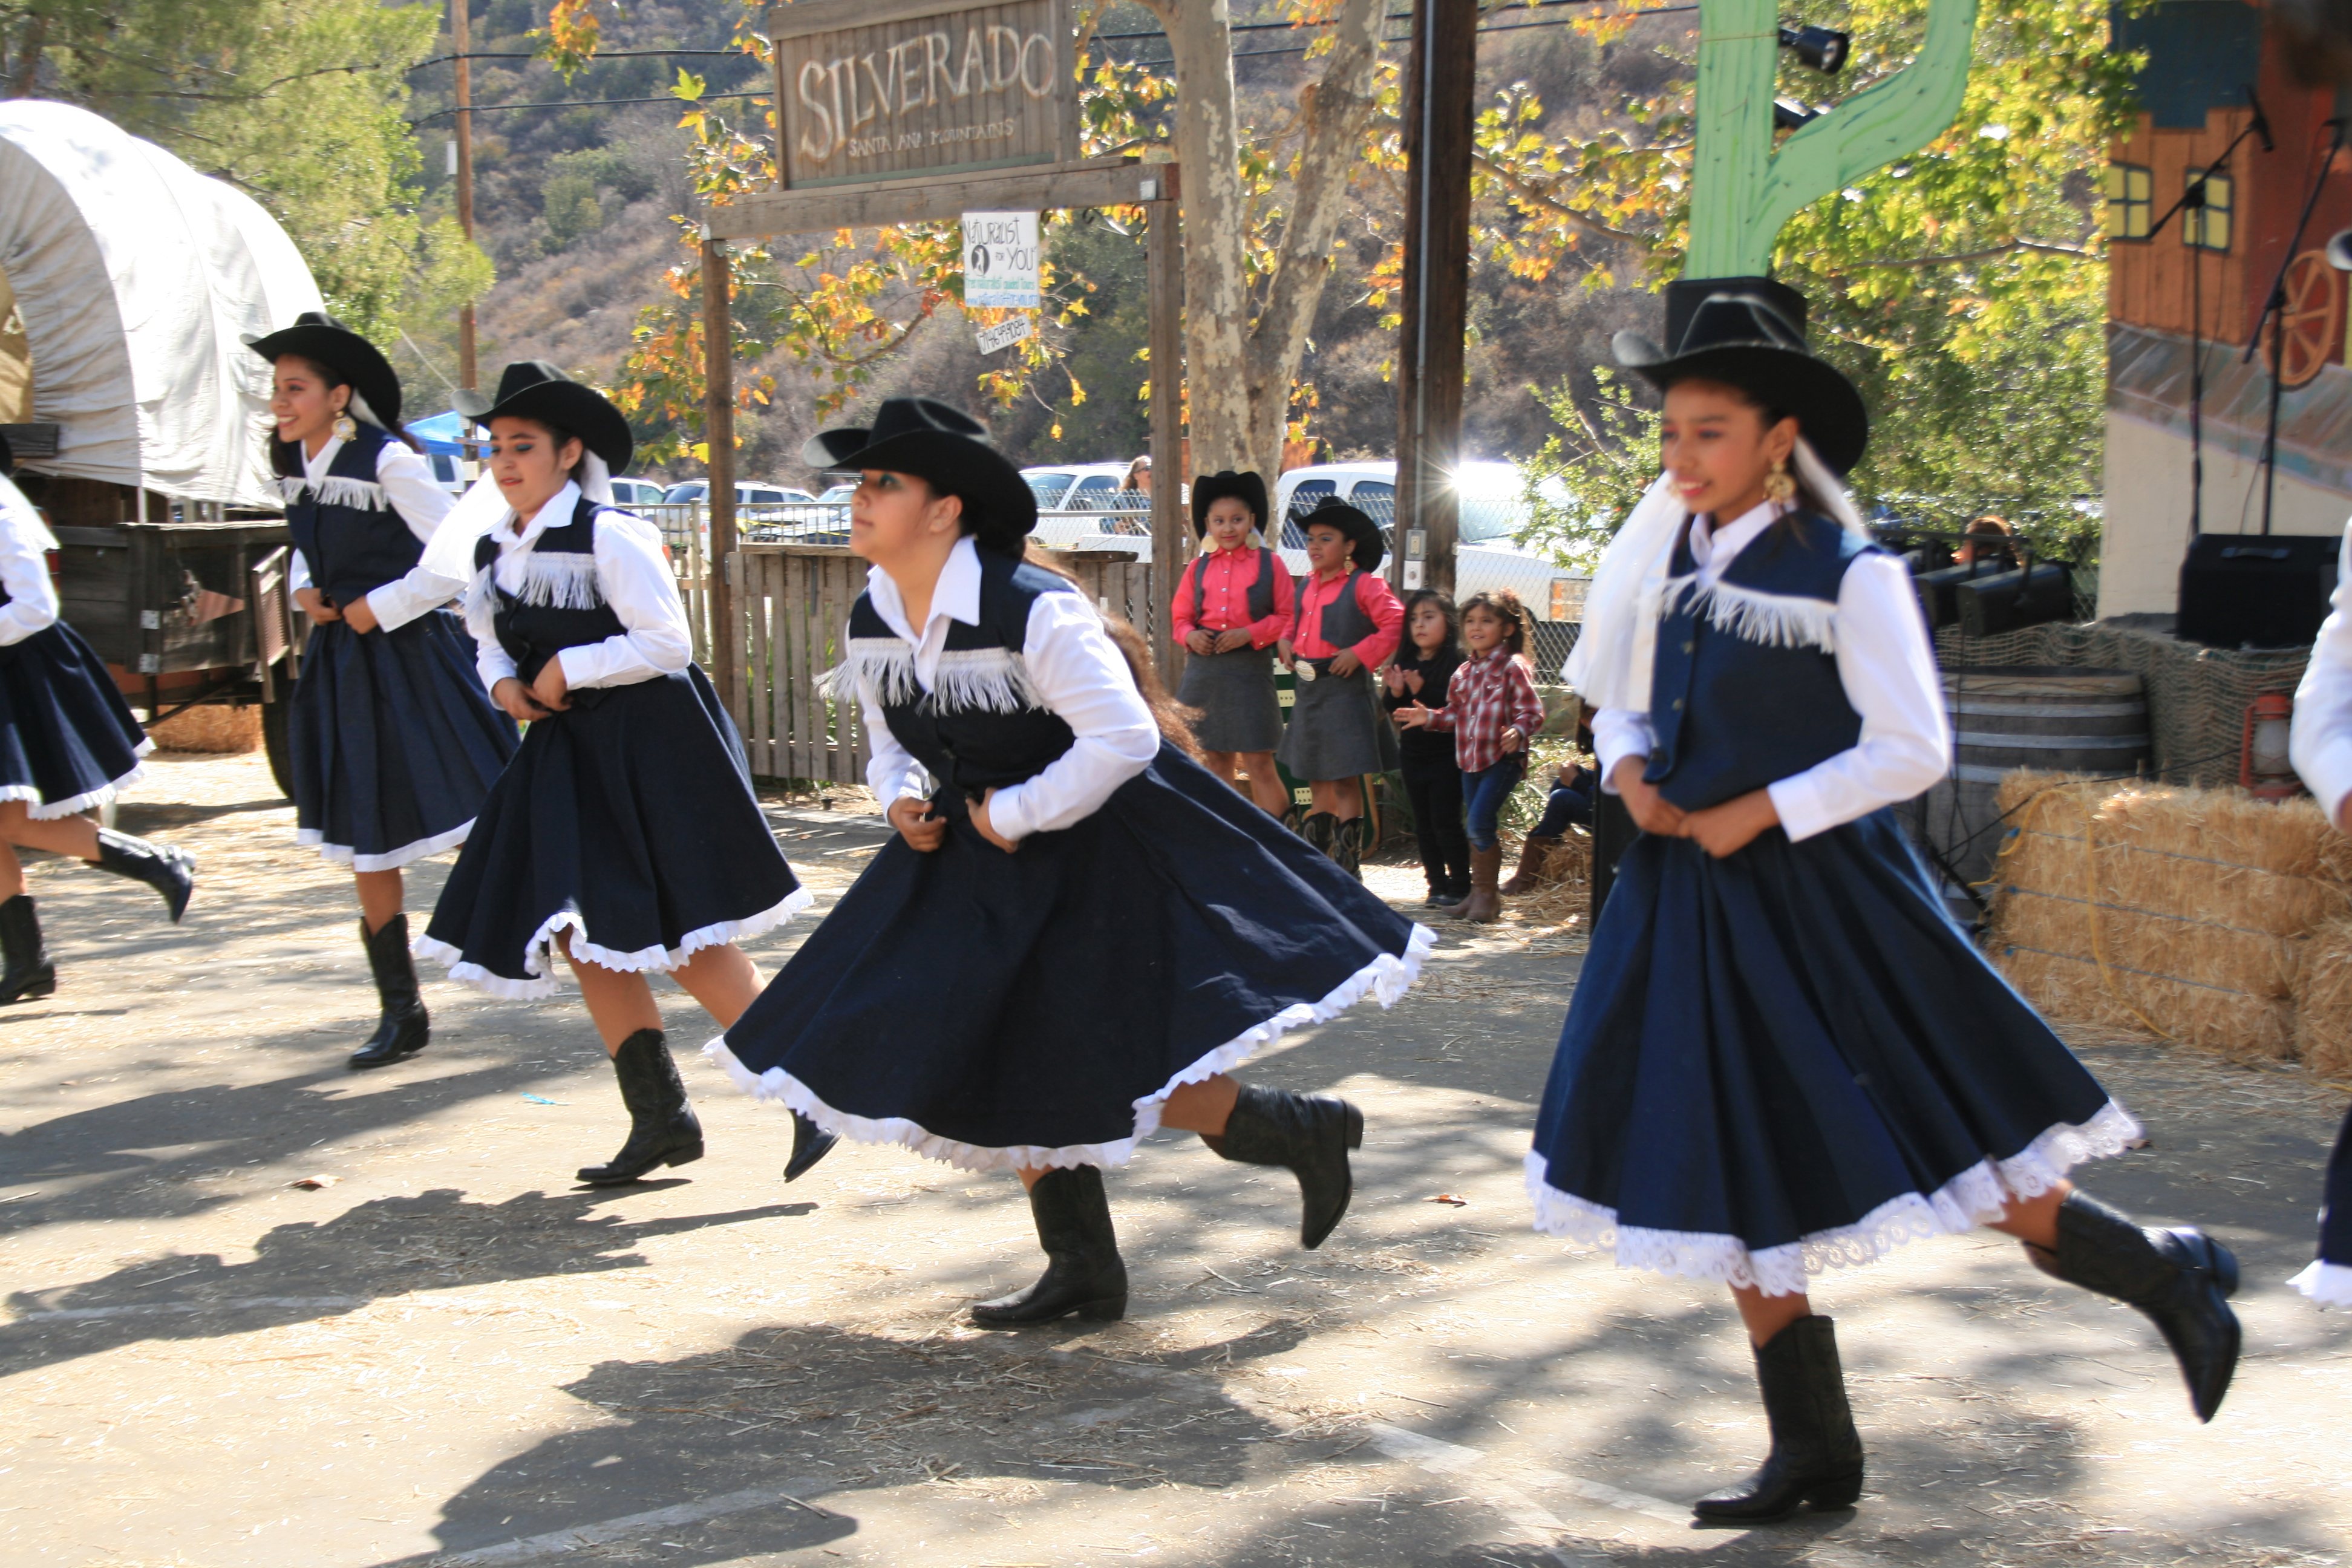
<point>2276,305</point>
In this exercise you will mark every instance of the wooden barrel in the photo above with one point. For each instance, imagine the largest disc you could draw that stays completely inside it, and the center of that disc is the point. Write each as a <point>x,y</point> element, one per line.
<point>2088,721</point>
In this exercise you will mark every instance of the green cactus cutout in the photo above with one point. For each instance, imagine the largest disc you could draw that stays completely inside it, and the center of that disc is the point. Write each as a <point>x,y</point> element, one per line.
<point>1742,190</point>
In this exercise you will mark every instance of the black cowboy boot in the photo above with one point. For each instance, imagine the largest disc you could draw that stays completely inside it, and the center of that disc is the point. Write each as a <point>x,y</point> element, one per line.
<point>403,1027</point>
<point>1317,831</point>
<point>1309,1134</point>
<point>2181,1281</point>
<point>1347,846</point>
<point>810,1144</point>
<point>1084,1273</point>
<point>29,972</point>
<point>1816,1454</point>
<point>170,871</point>
<point>661,1127</point>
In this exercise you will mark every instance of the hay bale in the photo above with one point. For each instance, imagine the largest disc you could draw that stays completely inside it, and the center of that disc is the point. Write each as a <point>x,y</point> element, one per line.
<point>2184,911</point>
<point>2323,1001</point>
<point>209,727</point>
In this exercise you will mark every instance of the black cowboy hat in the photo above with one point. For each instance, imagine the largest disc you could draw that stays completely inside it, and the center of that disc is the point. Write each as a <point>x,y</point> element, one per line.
<point>1746,340</point>
<point>947,449</point>
<point>1247,486</point>
<point>326,341</point>
<point>534,389</point>
<point>1364,534</point>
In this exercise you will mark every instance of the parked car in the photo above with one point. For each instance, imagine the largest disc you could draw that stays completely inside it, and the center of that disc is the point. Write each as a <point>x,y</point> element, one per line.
<point>747,493</point>
<point>1066,488</point>
<point>636,492</point>
<point>1486,554</point>
<point>1081,506</point>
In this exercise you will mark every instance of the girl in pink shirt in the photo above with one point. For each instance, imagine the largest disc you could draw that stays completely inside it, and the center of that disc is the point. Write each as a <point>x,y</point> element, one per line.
<point>1233,604</point>
<point>1349,622</point>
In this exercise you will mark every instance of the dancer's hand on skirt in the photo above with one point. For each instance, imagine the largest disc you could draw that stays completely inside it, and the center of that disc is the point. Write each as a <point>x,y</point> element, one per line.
<point>317,606</point>
<point>988,828</point>
<point>1239,637</point>
<point>1345,663</point>
<point>1202,640</point>
<point>515,698</point>
<point>1652,812</point>
<point>549,688</point>
<point>922,831</point>
<point>1726,830</point>
<point>359,616</point>
<point>1283,651</point>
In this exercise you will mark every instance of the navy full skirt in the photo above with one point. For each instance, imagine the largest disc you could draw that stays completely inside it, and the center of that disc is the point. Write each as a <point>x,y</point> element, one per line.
<point>2328,1280</point>
<point>68,740</point>
<point>395,743</point>
<point>1036,1009</point>
<point>1791,1058</point>
<point>628,819</point>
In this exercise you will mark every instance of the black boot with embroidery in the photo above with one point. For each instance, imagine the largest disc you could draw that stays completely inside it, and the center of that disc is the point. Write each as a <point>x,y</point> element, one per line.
<point>1084,1272</point>
<point>1816,1455</point>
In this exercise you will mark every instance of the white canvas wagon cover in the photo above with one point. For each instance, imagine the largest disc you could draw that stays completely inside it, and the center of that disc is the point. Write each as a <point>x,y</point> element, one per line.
<point>132,278</point>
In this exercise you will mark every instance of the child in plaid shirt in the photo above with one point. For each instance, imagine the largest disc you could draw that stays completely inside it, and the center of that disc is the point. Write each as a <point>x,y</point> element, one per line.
<point>1492,708</point>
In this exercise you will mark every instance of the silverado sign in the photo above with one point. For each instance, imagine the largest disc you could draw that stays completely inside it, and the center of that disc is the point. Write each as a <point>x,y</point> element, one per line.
<point>882,90</point>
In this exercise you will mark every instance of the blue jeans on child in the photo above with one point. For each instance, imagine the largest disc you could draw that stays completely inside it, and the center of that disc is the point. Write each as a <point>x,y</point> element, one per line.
<point>1571,802</point>
<point>1486,791</point>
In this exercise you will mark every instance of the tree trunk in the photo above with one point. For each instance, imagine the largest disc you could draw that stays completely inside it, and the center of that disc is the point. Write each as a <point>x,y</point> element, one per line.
<point>28,56</point>
<point>1335,111</point>
<point>1216,285</point>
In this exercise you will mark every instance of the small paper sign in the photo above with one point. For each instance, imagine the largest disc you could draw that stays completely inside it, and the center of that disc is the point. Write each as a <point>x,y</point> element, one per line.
<point>1004,334</point>
<point>1000,260</point>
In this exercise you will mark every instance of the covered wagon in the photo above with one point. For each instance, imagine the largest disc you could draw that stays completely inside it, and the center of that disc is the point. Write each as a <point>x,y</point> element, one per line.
<point>136,414</point>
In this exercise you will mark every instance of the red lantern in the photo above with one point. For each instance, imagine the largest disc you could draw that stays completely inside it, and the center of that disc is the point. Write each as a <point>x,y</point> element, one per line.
<point>2263,768</point>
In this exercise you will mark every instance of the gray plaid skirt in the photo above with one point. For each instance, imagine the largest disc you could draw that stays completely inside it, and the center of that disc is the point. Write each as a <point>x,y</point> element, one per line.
<point>1337,730</point>
<point>1235,694</point>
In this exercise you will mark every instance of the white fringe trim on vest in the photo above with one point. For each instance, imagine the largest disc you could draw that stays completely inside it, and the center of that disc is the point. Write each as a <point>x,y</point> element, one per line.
<point>1977,1194</point>
<point>335,490</point>
<point>2329,1284</point>
<point>1775,620</point>
<point>881,671</point>
<point>1384,980</point>
<point>538,952</point>
<point>564,579</point>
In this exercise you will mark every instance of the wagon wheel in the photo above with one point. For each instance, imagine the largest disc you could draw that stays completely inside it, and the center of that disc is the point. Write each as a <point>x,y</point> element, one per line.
<point>2312,319</point>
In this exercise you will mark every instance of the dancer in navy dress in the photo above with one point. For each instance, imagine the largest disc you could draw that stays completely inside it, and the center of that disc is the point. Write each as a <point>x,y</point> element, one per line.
<point>68,744</point>
<point>394,743</point>
<point>1782,1053</point>
<point>2321,745</point>
<point>1079,930</point>
<point>625,835</point>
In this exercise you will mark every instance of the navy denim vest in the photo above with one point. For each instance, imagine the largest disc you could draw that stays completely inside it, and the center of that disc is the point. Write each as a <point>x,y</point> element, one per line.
<point>981,727</point>
<point>564,607</point>
<point>350,537</point>
<point>1745,690</point>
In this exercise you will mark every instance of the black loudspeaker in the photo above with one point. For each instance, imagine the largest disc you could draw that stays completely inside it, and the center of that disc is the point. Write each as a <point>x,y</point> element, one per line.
<point>2247,590</point>
<point>1935,588</point>
<point>2022,596</point>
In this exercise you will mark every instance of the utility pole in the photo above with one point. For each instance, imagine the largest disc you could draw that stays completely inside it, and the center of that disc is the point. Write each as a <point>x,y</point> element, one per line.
<point>461,45</point>
<point>1440,83</point>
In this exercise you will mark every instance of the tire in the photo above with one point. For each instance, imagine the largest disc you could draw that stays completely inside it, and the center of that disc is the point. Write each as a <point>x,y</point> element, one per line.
<point>276,745</point>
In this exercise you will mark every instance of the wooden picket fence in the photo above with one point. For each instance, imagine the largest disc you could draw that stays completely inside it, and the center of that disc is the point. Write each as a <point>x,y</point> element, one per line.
<point>792,611</point>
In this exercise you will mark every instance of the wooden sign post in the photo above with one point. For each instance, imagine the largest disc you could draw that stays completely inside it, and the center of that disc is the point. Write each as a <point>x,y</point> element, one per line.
<point>892,111</point>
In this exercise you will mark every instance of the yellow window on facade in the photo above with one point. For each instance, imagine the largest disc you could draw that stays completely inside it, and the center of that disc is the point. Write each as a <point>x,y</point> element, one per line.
<point>2131,190</point>
<point>2208,228</point>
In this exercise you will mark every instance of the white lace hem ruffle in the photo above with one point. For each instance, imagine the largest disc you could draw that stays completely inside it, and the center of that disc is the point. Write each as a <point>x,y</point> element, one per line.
<point>2327,1284</point>
<point>1977,1194</point>
<point>1385,979</point>
<point>390,859</point>
<point>537,953</point>
<point>73,806</point>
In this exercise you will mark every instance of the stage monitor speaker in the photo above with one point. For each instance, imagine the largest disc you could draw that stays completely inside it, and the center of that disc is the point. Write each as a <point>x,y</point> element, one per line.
<point>2007,601</point>
<point>2250,590</point>
<point>1935,585</point>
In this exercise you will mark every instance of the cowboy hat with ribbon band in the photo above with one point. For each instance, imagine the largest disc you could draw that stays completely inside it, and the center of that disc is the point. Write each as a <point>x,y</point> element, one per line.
<point>342,352</point>
<point>535,390</point>
<point>1744,341</point>
<point>1247,486</point>
<point>946,449</point>
<point>1366,544</point>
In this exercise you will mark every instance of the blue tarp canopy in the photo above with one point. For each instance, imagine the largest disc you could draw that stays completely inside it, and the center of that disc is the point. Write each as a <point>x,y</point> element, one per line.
<point>441,432</point>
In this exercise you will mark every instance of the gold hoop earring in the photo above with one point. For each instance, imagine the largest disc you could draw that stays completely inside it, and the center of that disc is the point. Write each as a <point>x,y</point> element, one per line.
<point>1779,485</point>
<point>346,427</point>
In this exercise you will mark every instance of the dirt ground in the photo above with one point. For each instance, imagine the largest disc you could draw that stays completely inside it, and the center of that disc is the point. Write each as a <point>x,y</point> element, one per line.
<point>262,1310</point>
